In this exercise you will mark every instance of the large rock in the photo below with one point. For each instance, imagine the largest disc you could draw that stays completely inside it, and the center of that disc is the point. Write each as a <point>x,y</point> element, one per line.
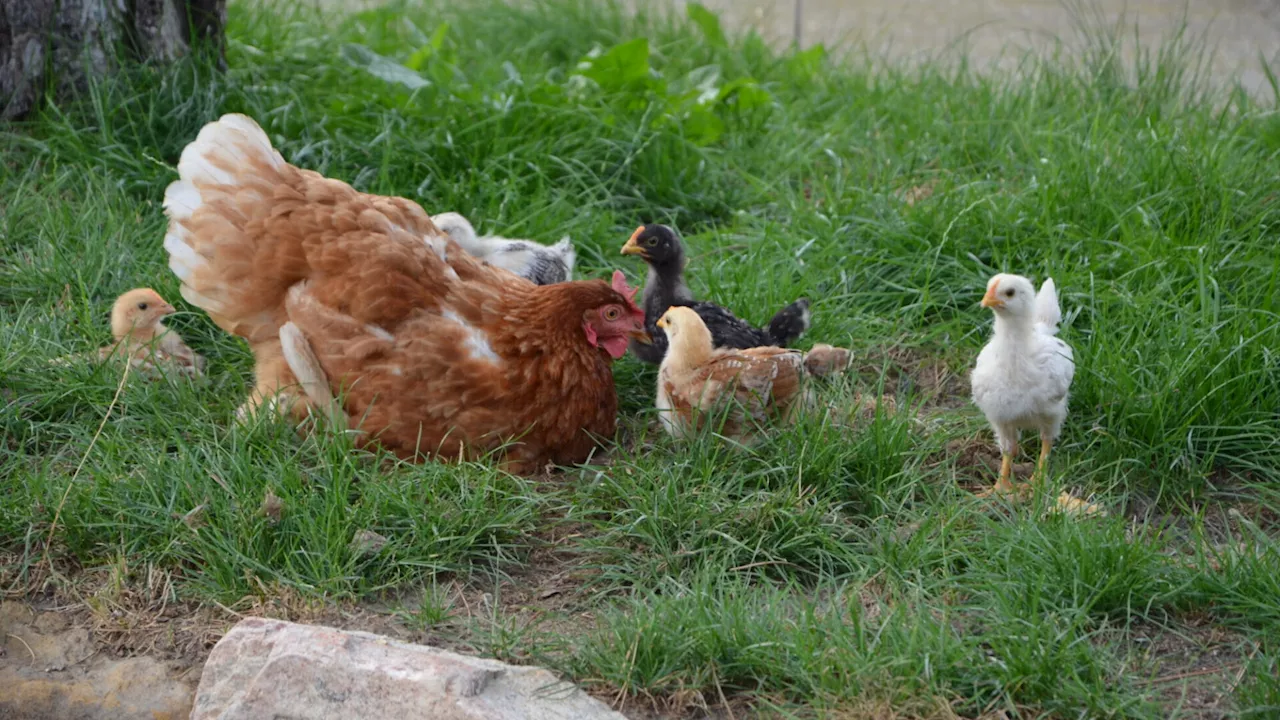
<point>274,669</point>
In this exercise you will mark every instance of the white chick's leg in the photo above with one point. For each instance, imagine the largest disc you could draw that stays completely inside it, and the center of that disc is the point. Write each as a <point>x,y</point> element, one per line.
<point>1065,503</point>
<point>1007,438</point>
<point>1042,465</point>
<point>1048,434</point>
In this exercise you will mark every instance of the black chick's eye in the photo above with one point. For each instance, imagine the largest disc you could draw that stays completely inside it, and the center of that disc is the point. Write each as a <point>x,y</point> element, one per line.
<point>142,306</point>
<point>650,242</point>
<point>1008,293</point>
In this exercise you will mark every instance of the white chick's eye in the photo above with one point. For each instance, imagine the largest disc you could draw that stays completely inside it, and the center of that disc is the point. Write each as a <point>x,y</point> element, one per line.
<point>142,306</point>
<point>1008,293</point>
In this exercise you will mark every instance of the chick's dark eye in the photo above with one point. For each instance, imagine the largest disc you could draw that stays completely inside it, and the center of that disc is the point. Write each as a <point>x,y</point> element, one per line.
<point>1008,293</point>
<point>142,306</point>
<point>650,242</point>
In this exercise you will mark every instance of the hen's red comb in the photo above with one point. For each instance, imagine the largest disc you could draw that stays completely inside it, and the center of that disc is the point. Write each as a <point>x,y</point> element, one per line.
<point>626,291</point>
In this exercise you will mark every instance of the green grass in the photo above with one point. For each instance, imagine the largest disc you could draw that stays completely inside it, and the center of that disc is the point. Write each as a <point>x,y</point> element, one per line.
<point>829,569</point>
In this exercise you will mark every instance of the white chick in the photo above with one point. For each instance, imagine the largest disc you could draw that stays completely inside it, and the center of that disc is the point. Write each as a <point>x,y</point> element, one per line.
<point>540,264</point>
<point>1023,375</point>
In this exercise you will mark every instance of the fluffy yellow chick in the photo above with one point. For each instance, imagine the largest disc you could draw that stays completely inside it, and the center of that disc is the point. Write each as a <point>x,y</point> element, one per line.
<point>137,324</point>
<point>751,385</point>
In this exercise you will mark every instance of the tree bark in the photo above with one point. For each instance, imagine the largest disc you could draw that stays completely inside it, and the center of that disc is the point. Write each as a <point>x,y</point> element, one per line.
<point>56,45</point>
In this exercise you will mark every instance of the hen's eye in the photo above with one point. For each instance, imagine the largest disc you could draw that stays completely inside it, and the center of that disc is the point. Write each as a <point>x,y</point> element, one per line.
<point>612,314</point>
<point>142,306</point>
<point>1008,293</point>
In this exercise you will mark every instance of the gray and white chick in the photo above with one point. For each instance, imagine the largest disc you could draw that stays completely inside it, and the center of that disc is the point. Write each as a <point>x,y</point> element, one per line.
<point>540,264</point>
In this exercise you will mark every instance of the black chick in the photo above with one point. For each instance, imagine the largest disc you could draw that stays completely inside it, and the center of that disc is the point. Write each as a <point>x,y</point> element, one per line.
<point>661,248</point>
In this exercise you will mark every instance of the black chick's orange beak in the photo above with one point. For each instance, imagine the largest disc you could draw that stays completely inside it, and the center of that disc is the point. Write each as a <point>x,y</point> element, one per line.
<point>641,337</point>
<point>632,247</point>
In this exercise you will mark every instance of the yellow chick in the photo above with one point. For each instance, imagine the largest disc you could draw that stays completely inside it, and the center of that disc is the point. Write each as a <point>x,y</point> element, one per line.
<point>751,385</point>
<point>137,324</point>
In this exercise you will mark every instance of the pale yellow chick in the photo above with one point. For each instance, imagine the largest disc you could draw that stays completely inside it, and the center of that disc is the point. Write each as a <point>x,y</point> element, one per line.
<point>137,324</point>
<point>750,386</point>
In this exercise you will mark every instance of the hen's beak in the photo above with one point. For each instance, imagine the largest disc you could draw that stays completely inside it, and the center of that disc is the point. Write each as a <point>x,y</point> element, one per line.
<point>990,300</point>
<point>633,244</point>
<point>641,337</point>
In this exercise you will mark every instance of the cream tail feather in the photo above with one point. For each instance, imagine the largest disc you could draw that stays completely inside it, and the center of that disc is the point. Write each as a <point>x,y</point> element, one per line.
<point>1047,311</point>
<point>233,141</point>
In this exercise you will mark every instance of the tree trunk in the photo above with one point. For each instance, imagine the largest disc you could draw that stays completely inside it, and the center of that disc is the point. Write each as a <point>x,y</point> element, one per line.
<point>56,44</point>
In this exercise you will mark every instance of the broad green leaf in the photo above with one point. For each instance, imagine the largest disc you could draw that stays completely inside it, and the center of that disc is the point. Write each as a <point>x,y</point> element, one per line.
<point>419,58</point>
<point>620,66</point>
<point>745,94</point>
<point>708,22</point>
<point>382,67</point>
<point>437,37</point>
<point>431,48</point>
<point>702,127</point>
<point>808,62</point>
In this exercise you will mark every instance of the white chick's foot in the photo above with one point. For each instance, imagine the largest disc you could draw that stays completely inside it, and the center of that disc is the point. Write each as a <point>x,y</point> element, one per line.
<point>1005,487</point>
<point>1069,505</point>
<point>1019,491</point>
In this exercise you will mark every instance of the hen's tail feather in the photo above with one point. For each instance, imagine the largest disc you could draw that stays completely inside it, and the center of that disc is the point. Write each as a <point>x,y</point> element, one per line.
<point>1048,313</point>
<point>790,323</point>
<point>224,176</point>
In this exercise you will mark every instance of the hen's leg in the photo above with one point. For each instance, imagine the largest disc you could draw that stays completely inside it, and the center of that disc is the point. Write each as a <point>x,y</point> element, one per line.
<point>523,461</point>
<point>275,388</point>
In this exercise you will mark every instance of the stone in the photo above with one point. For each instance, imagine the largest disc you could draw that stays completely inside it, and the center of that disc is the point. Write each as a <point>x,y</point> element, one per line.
<point>274,669</point>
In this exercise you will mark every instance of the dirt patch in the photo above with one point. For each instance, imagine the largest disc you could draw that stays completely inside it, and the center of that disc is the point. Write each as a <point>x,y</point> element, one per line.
<point>913,371</point>
<point>1194,665</point>
<point>51,667</point>
<point>114,644</point>
<point>976,462</point>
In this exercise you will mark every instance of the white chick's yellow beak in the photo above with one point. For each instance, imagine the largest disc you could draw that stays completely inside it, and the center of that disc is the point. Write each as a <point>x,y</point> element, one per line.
<point>990,300</point>
<point>662,322</point>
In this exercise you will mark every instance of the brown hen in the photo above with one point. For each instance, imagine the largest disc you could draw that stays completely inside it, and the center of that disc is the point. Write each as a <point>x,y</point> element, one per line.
<point>432,352</point>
